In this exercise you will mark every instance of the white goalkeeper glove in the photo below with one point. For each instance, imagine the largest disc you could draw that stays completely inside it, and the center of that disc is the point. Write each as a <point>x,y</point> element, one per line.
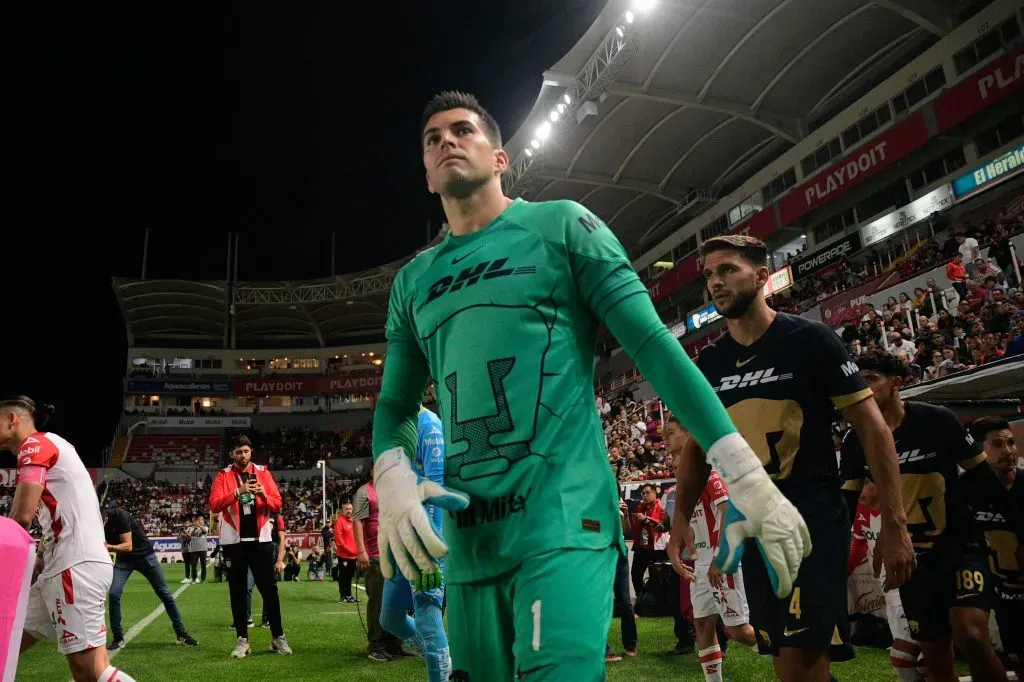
<point>404,534</point>
<point>758,510</point>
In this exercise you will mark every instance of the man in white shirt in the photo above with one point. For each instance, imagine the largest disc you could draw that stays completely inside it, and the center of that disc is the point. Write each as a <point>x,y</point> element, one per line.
<point>968,247</point>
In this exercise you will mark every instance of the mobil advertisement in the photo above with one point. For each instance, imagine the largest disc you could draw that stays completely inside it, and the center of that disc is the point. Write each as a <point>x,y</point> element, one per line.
<point>989,174</point>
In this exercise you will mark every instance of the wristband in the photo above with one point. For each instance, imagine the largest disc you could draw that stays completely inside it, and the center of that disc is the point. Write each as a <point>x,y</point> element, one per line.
<point>733,458</point>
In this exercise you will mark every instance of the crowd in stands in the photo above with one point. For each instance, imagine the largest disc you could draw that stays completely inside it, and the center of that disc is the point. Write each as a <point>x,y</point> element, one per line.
<point>903,261</point>
<point>299,447</point>
<point>636,451</point>
<point>160,507</point>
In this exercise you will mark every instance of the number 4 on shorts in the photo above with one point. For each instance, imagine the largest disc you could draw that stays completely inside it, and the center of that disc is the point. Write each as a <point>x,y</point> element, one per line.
<point>794,603</point>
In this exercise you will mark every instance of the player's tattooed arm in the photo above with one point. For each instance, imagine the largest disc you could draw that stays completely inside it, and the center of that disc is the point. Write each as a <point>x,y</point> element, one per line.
<point>880,451</point>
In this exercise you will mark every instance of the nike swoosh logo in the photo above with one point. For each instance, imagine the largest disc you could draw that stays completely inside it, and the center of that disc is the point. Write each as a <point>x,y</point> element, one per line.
<point>456,261</point>
<point>740,364</point>
<point>789,633</point>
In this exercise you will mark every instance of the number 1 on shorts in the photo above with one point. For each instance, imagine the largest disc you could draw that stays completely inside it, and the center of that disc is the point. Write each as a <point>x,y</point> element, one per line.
<point>535,609</point>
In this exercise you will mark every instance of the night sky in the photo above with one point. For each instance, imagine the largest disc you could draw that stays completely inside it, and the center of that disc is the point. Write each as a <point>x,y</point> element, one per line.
<point>282,122</point>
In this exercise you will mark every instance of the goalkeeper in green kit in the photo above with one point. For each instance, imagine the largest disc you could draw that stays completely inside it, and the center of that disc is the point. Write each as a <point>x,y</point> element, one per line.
<point>504,315</point>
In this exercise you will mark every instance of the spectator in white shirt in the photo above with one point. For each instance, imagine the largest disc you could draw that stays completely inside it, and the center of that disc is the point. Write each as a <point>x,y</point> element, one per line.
<point>898,344</point>
<point>968,247</point>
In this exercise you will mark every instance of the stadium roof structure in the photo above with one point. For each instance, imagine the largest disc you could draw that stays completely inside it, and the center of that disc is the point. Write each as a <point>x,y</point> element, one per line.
<point>315,313</point>
<point>664,105</point>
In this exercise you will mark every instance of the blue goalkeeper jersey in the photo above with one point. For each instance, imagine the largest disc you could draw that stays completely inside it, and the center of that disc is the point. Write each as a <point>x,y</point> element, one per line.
<point>430,459</point>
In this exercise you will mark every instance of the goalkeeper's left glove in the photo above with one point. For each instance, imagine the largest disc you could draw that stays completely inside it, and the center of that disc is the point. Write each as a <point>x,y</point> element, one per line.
<point>404,533</point>
<point>758,510</point>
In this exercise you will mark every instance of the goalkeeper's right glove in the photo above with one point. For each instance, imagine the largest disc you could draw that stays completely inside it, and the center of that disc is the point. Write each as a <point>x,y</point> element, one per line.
<point>758,510</point>
<point>404,534</point>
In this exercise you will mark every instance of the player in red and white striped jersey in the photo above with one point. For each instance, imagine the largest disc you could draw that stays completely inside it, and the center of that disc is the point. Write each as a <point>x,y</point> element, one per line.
<point>712,593</point>
<point>72,575</point>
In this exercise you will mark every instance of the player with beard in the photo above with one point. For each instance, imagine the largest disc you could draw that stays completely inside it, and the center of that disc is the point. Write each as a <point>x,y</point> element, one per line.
<point>1005,550</point>
<point>948,596</point>
<point>781,377</point>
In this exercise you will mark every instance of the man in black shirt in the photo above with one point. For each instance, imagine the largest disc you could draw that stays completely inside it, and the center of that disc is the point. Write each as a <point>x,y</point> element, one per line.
<point>1004,548</point>
<point>782,378</point>
<point>125,537</point>
<point>949,594</point>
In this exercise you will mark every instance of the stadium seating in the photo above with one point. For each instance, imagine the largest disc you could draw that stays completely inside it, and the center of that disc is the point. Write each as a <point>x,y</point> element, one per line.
<point>176,452</point>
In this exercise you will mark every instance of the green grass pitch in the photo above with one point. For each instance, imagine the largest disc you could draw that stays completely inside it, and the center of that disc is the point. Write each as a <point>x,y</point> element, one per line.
<point>329,644</point>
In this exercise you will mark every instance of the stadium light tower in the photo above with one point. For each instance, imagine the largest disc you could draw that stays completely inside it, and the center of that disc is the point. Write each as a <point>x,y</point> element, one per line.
<point>321,464</point>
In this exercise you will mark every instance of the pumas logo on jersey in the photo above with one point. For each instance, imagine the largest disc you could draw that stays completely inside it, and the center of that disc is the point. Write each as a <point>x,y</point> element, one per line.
<point>914,456</point>
<point>761,376</point>
<point>492,269</point>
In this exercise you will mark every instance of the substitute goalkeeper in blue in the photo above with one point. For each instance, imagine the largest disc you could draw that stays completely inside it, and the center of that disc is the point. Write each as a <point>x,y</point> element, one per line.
<point>504,314</point>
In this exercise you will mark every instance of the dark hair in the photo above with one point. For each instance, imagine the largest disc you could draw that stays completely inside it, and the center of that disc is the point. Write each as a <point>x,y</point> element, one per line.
<point>40,413</point>
<point>750,248</point>
<point>453,99</point>
<point>883,362</point>
<point>981,427</point>
<point>239,441</point>
<point>674,419</point>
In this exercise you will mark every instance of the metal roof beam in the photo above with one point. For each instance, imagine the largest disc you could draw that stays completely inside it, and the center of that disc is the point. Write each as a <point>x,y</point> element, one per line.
<point>739,44</point>
<point>120,304</point>
<point>607,181</point>
<point>787,127</point>
<point>312,322</point>
<point>803,52</point>
<point>592,80</point>
<point>313,293</point>
<point>926,14</point>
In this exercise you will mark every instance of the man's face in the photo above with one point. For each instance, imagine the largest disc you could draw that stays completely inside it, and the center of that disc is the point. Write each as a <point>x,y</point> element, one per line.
<point>346,511</point>
<point>733,282</point>
<point>649,497</point>
<point>676,436</point>
<point>1001,450</point>
<point>242,456</point>
<point>457,154</point>
<point>8,430</point>
<point>882,387</point>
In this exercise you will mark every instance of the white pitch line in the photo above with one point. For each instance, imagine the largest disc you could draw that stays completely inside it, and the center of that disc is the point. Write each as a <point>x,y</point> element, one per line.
<point>134,631</point>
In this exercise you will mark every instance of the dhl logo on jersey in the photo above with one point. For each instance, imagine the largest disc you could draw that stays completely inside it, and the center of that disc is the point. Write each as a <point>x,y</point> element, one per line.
<point>911,456</point>
<point>761,376</point>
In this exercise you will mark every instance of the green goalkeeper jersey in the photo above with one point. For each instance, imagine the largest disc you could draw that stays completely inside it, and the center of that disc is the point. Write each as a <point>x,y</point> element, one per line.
<point>507,319</point>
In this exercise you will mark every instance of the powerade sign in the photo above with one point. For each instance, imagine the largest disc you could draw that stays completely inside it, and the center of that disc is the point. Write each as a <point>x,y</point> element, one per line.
<point>819,260</point>
<point>165,386</point>
<point>992,173</point>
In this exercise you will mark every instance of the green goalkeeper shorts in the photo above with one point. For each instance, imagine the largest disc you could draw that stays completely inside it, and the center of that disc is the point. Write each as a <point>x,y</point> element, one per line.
<point>545,621</point>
